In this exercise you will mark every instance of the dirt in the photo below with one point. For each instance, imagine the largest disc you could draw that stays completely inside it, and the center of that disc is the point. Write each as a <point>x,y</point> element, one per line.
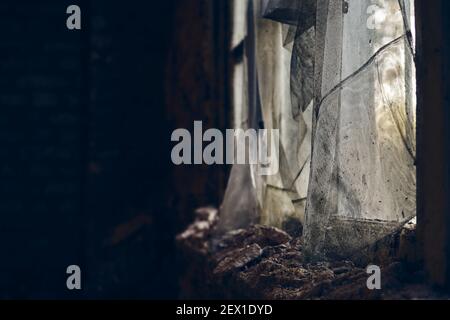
<point>263,262</point>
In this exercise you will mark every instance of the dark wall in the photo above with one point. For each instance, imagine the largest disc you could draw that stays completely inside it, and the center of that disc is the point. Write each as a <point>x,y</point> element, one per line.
<point>40,169</point>
<point>433,132</point>
<point>84,143</point>
<point>197,86</point>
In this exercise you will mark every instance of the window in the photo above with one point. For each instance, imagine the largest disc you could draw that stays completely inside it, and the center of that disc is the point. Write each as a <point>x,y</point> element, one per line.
<point>337,79</point>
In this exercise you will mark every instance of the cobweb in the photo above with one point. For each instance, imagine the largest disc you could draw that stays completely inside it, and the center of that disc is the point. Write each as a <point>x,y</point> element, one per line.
<point>337,79</point>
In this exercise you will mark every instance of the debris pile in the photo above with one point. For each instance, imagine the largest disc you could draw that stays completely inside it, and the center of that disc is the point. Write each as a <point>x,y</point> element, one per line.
<point>263,262</point>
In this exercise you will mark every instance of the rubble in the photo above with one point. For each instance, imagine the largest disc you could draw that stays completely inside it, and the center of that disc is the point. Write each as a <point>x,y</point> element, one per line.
<point>195,236</point>
<point>236,259</point>
<point>263,262</point>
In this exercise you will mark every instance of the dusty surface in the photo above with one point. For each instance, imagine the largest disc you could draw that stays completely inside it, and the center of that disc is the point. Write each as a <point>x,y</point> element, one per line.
<point>266,263</point>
